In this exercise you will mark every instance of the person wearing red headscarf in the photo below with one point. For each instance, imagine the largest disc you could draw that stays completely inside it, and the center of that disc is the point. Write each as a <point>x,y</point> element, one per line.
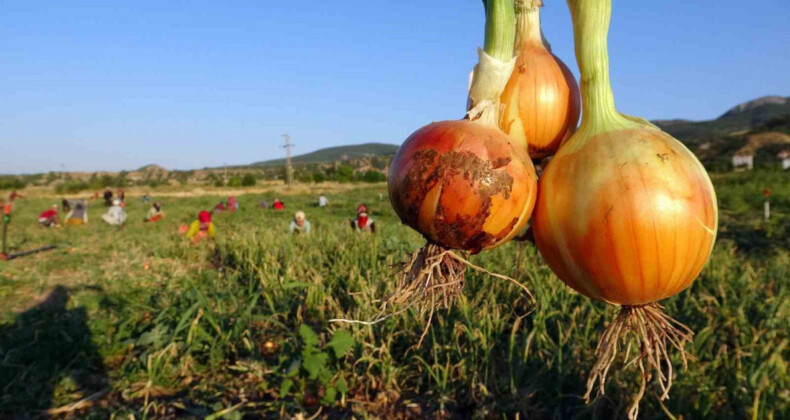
<point>363,223</point>
<point>233,204</point>
<point>202,228</point>
<point>278,205</point>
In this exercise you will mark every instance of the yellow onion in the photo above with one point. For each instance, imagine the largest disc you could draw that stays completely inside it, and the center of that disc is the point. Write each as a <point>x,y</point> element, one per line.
<point>541,102</point>
<point>625,213</point>
<point>462,185</point>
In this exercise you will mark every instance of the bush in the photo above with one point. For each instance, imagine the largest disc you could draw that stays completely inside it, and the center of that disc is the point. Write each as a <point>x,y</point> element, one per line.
<point>248,180</point>
<point>373,176</point>
<point>234,181</point>
<point>11,183</point>
<point>71,187</point>
<point>319,177</point>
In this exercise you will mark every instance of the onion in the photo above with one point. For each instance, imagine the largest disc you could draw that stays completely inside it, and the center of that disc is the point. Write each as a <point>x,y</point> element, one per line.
<point>625,214</point>
<point>462,184</point>
<point>541,102</point>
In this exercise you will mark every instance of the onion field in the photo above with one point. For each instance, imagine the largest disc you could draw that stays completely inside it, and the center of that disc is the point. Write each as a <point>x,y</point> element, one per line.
<point>140,323</point>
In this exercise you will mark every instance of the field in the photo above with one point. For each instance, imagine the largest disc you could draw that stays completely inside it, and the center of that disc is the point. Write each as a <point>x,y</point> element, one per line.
<point>138,323</point>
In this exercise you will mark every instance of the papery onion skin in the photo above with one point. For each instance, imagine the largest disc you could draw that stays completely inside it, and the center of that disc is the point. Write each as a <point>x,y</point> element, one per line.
<point>541,102</point>
<point>462,185</point>
<point>626,216</point>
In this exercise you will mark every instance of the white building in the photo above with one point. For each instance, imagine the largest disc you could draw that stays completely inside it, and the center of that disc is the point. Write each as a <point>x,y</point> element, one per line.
<point>743,160</point>
<point>784,156</point>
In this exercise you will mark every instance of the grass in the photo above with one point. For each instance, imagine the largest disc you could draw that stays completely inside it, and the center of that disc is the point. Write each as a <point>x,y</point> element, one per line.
<point>137,321</point>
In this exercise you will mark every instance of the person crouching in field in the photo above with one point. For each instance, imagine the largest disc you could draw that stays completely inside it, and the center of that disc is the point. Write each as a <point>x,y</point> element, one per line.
<point>49,218</point>
<point>233,204</point>
<point>363,223</point>
<point>78,215</point>
<point>115,216</point>
<point>220,207</point>
<point>278,205</point>
<point>154,214</point>
<point>202,228</point>
<point>299,224</point>
<point>107,196</point>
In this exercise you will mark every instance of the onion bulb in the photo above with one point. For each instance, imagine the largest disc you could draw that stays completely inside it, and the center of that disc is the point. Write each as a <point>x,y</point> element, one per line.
<point>625,214</point>
<point>541,102</point>
<point>462,184</point>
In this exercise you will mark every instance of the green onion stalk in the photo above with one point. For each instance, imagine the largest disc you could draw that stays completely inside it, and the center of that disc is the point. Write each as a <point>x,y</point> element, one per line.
<point>495,63</point>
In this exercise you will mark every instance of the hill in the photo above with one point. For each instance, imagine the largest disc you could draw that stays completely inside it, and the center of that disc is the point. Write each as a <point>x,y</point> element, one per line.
<point>755,127</point>
<point>743,117</point>
<point>333,154</point>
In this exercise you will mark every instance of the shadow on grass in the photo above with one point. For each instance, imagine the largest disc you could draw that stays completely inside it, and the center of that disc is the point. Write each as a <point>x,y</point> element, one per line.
<point>47,357</point>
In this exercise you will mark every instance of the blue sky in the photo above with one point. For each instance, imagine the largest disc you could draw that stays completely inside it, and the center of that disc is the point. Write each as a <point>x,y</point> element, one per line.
<point>110,85</point>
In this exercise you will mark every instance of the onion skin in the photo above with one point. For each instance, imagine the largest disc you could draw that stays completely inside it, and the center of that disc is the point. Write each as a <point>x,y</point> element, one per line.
<point>541,102</point>
<point>626,216</point>
<point>462,185</point>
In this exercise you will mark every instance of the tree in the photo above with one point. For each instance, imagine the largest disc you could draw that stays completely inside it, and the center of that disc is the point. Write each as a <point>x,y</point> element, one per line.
<point>248,180</point>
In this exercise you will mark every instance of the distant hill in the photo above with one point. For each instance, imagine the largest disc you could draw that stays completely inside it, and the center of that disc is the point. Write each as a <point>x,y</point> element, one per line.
<point>742,117</point>
<point>332,154</point>
<point>755,127</point>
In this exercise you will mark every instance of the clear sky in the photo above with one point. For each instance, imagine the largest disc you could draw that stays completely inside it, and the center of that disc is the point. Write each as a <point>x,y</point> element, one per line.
<point>110,85</point>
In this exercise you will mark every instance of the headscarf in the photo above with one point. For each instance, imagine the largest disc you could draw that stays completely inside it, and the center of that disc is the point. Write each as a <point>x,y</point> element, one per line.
<point>116,202</point>
<point>299,216</point>
<point>204,217</point>
<point>362,208</point>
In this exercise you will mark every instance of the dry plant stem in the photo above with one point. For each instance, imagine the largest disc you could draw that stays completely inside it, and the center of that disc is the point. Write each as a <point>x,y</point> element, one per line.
<point>654,331</point>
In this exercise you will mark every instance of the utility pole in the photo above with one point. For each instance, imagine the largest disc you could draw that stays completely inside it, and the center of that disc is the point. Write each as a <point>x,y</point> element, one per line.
<point>226,172</point>
<point>289,171</point>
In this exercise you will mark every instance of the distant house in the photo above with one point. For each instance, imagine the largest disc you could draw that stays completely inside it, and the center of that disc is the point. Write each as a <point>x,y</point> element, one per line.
<point>784,156</point>
<point>743,160</point>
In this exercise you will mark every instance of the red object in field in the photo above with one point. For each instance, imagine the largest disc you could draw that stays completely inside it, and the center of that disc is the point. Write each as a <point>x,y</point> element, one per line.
<point>7,209</point>
<point>767,192</point>
<point>204,217</point>
<point>183,229</point>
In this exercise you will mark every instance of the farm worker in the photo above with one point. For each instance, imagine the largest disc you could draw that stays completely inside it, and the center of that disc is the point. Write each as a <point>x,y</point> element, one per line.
<point>115,216</point>
<point>66,205</point>
<point>154,214</point>
<point>322,201</point>
<point>278,205</point>
<point>145,198</point>
<point>299,224</point>
<point>122,196</point>
<point>362,208</point>
<point>202,228</point>
<point>78,215</point>
<point>233,205</point>
<point>13,196</point>
<point>263,204</point>
<point>363,223</point>
<point>107,196</point>
<point>219,207</point>
<point>49,218</point>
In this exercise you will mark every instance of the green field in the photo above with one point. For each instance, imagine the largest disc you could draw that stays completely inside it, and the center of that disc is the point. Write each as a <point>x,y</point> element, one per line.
<point>138,322</point>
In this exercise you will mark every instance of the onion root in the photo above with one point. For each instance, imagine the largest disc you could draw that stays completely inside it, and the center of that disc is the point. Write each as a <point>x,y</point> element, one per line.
<point>655,333</point>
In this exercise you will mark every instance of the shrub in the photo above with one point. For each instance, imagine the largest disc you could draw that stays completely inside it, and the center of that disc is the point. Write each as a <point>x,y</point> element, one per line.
<point>248,180</point>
